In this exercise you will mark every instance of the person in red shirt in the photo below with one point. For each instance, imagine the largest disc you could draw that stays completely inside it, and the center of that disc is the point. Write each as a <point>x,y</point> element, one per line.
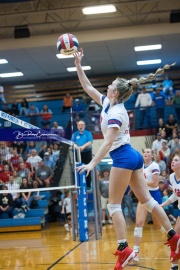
<point>14,160</point>
<point>5,174</point>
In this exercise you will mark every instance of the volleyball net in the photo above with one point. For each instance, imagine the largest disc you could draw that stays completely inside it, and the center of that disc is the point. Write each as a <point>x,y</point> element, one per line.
<point>38,161</point>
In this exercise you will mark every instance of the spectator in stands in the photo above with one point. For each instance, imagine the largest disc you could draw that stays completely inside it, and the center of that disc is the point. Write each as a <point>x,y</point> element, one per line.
<point>42,150</point>
<point>24,106</point>
<point>161,126</point>
<point>24,172</point>
<point>15,108</point>
<point>4,151</point>
<point>6,203</point>
<point>12,185</point>
<point>34,159</point>
<point>14,160</point>
<point>56,129</point>
<point>2,98</point>
<point>83,139</point>
<point>17,179</point>
<point>145,101</point>
<point>176,102</point>
<point>26,197</point>
<point>56,151</point>
<point>67,103</point>
<point>161,163</point>
<point>167,85</point>
<point>104,195</point>
<point>77,108</point>
<point>20,146</point>
<point>165,197</point>
<point>171,123</point>
<point>171,141</point>
<point>93,107</point>
<point>162,186</point>
<point>33,113</point>
<point>46,115</point>
<point>7,109</point>
<point>176,144</point>
<point>31,146</point>
<point>157,144</point>
<point>43,174</point>
<point>26,164</point>
<point>86,99</point>
<point>5,174</point>
<point>48,161</point>
<point>165,151</point>
<point>159,100</point>
<point>128,202</point>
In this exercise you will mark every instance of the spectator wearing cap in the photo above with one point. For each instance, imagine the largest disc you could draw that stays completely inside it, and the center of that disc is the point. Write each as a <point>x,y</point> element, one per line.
<point>77,108</point>
<point>48,162</point>
<point>157,144</point>
<point>144,100</point>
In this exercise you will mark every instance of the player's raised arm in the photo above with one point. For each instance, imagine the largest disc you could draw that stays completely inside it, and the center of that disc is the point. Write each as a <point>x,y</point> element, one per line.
<point>87,86</point>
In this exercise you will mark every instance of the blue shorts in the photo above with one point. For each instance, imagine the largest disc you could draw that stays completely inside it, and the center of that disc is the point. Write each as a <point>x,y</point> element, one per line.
<point>156,194</point>
<point>126,157</point>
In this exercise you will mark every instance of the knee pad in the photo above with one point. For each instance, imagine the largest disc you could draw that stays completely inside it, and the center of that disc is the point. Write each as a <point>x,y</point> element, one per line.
<point>113,208</point>
<point>138,231</point>
<point>149,205</point>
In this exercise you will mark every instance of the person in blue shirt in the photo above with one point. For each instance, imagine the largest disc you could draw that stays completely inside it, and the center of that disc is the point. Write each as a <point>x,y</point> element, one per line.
<point>160,101</point>
<point>83,139</point>
<point>77,108</point>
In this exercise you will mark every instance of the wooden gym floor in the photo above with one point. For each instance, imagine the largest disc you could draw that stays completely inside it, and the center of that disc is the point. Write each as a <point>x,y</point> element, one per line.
<point>53,248</point>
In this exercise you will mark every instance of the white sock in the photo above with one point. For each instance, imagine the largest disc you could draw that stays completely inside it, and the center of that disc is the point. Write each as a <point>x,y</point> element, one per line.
<point>121,241</point>
<point>136,249</point>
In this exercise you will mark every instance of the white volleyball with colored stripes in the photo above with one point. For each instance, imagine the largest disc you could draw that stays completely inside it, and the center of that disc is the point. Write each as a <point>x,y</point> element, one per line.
<point>67,44</point>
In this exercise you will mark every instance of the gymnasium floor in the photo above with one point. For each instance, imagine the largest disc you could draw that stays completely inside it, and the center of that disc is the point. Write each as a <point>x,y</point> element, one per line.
<point>53,248</point>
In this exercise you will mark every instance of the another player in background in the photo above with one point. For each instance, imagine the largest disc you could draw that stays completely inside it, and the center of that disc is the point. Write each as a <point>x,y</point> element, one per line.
<point>175,183</point>
<point>151,173</point>
<point>66,209</point>
<point>127,162</point>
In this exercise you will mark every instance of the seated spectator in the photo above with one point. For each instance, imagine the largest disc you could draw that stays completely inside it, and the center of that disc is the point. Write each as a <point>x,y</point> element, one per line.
<point>26,197</point>
<point>5,174</point>
<point>33,113</point>
<point>7,109</point>
<point>34,160</point>
<point>163,135</point>
<point>24,172</point>
<point>176,102</point>
<point>31,146</point>
<point>56,129</point>
<point>6,203</point>
<point>42,150</point>
<point>26,164</point>
<point>167,208</point>
<point>56,151</point>
<point>161,126</point>
<point>15,108</point>
<point>77,109</point>
<point>17,179</point>
<point>20,146</point>
<point>67,103</point>
<point>162,186</point>
<point>157,144</point>
<point>93,106</point>
<point>159,100</point>
<point>46,115</point>
<point>165,151</point>
<point>161,163</point>
<point>171,141</point>
<point>171,123</point>
<point>167,85</point>
<point>176,144</point>
<point>43,174</point>
<point>128,202</point>
<point>144,100</point>
<point>165,177</point>
<point>14,160</point>
<point>48,160</point>
<point>24,107</point>
<point>5,151</point>
<point>12,185</point>
<point>86,99</point>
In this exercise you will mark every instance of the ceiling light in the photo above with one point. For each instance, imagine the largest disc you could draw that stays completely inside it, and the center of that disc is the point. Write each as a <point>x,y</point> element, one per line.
<point>62,56</point>
<point>149,62</point>
<point>13,74</point>
<point>99,9</point>
<point>3,61</point>
<point>148,48</point>
<point>71,69</point>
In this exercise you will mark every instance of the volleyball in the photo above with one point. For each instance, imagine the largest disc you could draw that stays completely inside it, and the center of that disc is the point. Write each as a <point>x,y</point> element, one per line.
<point>67,44</point>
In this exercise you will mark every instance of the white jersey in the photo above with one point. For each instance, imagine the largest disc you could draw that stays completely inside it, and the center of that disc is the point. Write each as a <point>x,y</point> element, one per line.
<point>175,187</point>
<point>67,204</point>
<point>149,170</point>
<point>115,117</point>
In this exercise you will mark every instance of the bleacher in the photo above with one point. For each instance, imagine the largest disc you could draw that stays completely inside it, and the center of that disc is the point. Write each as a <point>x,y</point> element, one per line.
<point>34,218</point>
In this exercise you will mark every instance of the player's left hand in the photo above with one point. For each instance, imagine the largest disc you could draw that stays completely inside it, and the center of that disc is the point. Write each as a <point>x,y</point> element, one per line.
<point>83,168</point>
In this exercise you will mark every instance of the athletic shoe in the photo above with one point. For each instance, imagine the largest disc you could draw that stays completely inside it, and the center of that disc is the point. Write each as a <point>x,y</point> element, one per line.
<point>110,221</point>
<point>103,222</point>
<point>174,267</point>
<point>24,207</point>
<point>66,226</point>
<point>174,244</point>
<point>124,257</point>
<point>136,259</point>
